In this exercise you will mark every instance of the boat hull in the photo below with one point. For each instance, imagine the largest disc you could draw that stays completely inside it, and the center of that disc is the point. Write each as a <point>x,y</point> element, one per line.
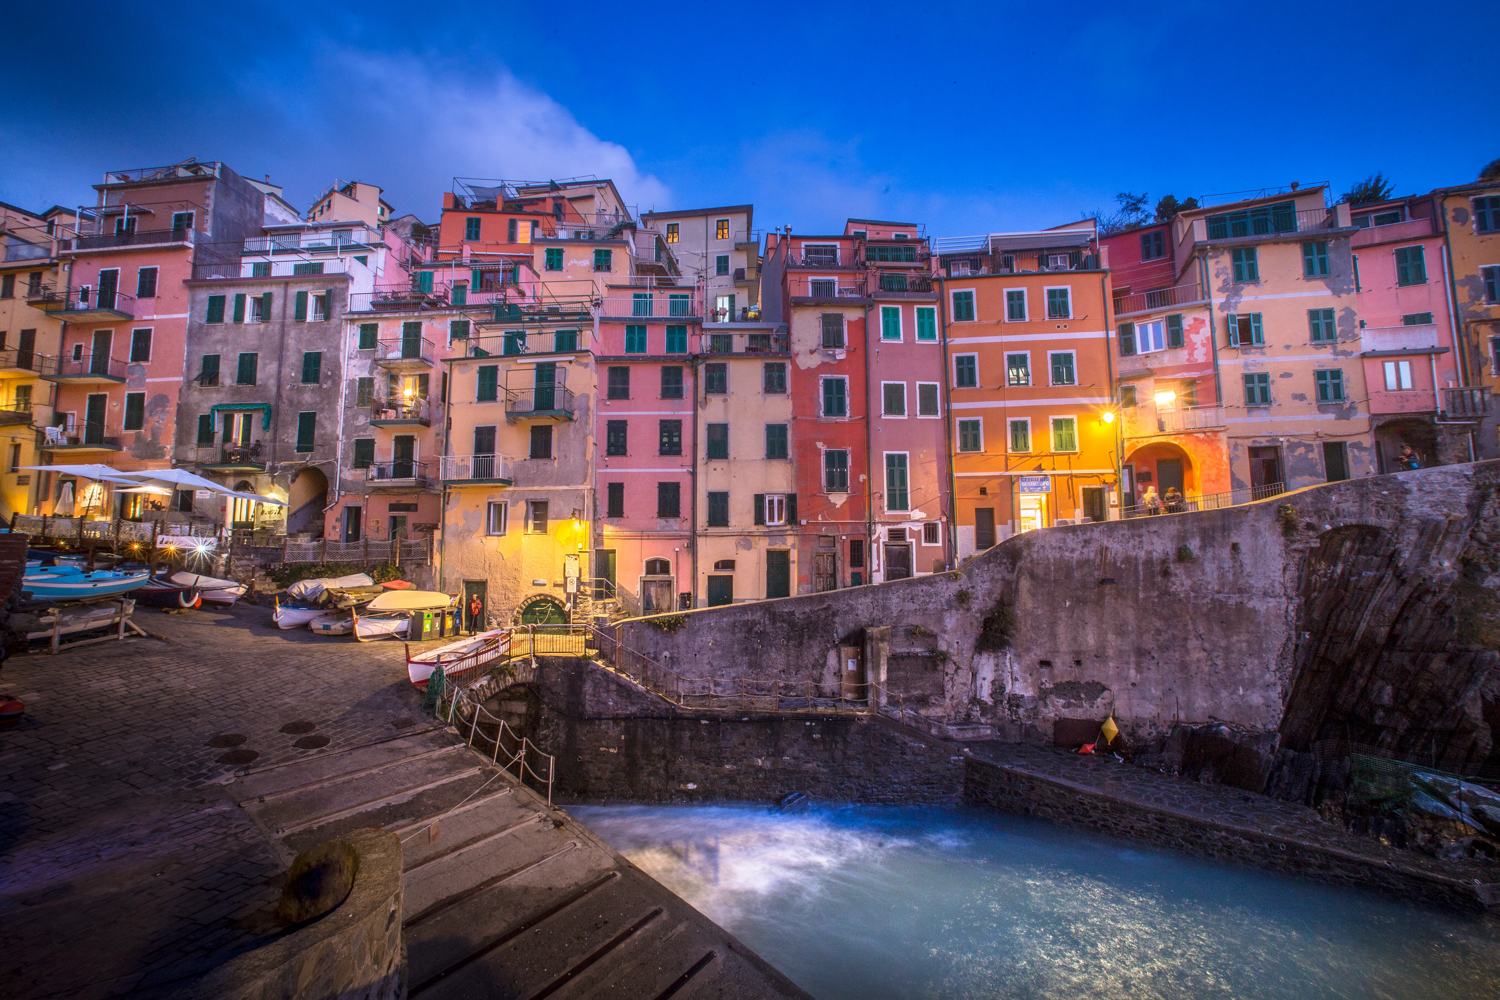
<point>461,661</point>
<point>285,617</point>
<point>366,629</point>
<point>225,597</point>
<point>76,586</point>
<point>331,625</point>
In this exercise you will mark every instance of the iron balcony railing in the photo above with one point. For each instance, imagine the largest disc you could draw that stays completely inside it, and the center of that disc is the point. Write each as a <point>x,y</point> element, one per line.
<point>321,241</point>
<point>400,408</point>
<point>517,342</point>
<point>82,299</point>
<point>744,314</point>
<point>20,360</point>
<point>138,238</point>
<point>80,434</point>
<point>18,250</point>
<point>1467,401</point>
<point>902,283</point>
<point>403,348</point>
<point>85,366</point>
<point>247,456</point>
<point>457,468</point>
<point>1201,502</point>
<point>1273,220</point>
<point>823,257</point>
<point>1021,262</point>
<point>536,400</point>
<point>651,305</point>
<point>1158,298</point>
<point>398,471</point>
<point>747,343</point>
<point>809,286</point>
<point>1190,418</point>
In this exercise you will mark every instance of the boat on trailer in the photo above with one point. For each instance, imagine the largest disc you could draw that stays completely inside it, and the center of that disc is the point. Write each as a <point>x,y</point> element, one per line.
<point>461,661</point>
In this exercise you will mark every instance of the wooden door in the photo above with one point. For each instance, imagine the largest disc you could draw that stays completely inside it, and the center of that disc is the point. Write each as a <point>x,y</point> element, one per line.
<point>778,573</point>
<point>93,418</point>
<point>99,359</point>
<point>984,527</point>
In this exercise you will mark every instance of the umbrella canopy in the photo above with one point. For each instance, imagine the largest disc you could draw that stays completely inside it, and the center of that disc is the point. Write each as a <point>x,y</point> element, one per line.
<point>158,491</point>
<point>98,473</point>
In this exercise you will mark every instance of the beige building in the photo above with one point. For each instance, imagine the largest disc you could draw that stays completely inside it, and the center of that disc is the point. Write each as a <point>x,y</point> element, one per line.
<point>720,248</point>
<point>355,201</point>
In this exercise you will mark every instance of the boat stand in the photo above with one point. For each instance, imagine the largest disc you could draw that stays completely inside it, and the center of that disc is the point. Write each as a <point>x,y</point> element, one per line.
<point>120,619</point>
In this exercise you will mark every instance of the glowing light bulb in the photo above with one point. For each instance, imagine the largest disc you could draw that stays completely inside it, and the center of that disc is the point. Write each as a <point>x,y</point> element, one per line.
<point>1108,416</point>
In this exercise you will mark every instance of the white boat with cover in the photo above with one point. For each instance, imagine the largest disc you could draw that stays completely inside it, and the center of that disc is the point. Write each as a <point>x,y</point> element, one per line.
<point>460,660</point>
<point>295,617</point>
<point>211,588</point>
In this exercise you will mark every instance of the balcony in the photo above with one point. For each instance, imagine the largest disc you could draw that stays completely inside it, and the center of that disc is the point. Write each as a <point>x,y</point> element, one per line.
<point>475,469</point>
<point>822,257</point>
<point>747,343</point>
<point>1421,338</point>
<point>1189,419</point>
<point>397,475</point>
<point>231,458</point>
<point>814,288</point>
<point>1267,221</point>
<point>84,304</point>
<point>887,284</point>
<point>323,241</point>
<point>745,314</point>
<point>1468,403</point>
<point>514,343</point>
<point>400,411</point>
<point>19,250</point>
<point>538,403</point>
<point>19,362</point>
<point>1157,299</point>
<point>77,438</point>
<point>140,238</point>
<point>679,307</point>
<point>15,418</point>
<point>745,239</point>
<point>404,354</point>
<point>86,369</point>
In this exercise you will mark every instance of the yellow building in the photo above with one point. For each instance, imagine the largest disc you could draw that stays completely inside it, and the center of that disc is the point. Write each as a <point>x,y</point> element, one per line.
<point>1471,227</point>
<point>28,278</point>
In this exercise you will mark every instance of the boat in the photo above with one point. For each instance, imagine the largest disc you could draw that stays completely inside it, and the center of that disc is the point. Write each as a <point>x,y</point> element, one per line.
<point>69,583</point>
<point>311,590</point>
<point>380,626</point>
<point>460,660</point>
<point>332,623</point>
<point>410,600</point>
<point>211,588</point>
<point>391,613</point>
<point>161,593</point>
<point>294,616</point>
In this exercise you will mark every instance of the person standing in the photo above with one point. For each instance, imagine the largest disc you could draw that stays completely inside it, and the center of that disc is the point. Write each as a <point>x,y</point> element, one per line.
<point>475,613</point>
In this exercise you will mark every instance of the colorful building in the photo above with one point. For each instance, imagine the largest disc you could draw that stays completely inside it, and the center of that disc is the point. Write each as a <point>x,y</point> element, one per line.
<point>1030,366</point>
<point>719,248</point>
<point>1470,220</point>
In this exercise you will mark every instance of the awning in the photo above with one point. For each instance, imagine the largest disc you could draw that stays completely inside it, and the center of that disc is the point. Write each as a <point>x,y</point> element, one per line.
<point>99,473</point>
<point>265,423</point>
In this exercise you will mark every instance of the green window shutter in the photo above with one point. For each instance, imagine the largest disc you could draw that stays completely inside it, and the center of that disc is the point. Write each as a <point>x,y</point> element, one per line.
<point>476,281</point>
<point>1174,330</point>
<point>312,367</point>
<point>1020,436</point>
<point>424,281</point>
<point>791,508</point>
<point>1127,339</point>
<point>307,424</point>
<point>489,383</point>
<point>1257,336</point>
<point>458,329</point>
<point>215,309</point>
<point>1234,330</point>
<point>890,322</point>
<point>926,323</point>
<point>265,307</point>
<point>364,391</point>
<point>718,441</point>
<point>301,313</point>
<point>239,307</point>
<point>328,301</point>
<point>760,508</point>
<point>897,496</point>
<point>364,452</point>
<point>248,370</point>
<point>676,340</point>
<point>367,334</point>
<point>1064,434</point>
<point>205,429</point>
<point>635,339</point>
<point>135,411</point>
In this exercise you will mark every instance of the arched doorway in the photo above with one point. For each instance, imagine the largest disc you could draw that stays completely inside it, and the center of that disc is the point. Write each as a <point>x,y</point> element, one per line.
<point>1415,432</point>
<point>305,502</point>
<point>541,610</point>
<point>1163,465</point>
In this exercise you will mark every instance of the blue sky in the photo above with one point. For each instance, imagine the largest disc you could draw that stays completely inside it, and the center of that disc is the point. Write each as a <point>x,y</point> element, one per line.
<point>970,118</point>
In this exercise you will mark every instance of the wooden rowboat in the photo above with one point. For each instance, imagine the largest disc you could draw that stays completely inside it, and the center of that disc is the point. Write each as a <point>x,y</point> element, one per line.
<point>460,660</point>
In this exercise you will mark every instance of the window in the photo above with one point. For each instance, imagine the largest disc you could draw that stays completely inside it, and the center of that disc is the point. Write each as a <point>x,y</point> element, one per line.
<point>1336,460</point>
<point>927,399</point>
<point>836,471</point>
<point>1320,326</point>
<point>1127,339</point>
<point>890,322</point>
<point>1417,319</point>
<point>893,399</point>
<point>458,329</point>
<point>145,283</point>
<point>554,259</point>
<point>897,491</point>
<point>672,232</point>
<point>182,221</point>
<point>488,384</point>
<point>614,438</point>
<point>247,370</point>
<point>261,269</point>
<point>965,371</point>
<point>670,437</point>
<point>971,435</point>
<point>671,382</point>
<point>835,396</point>
<point>1245,330</point>
<point>772,508</point>
<point>1330,382</point>
<point>1379,219</point>
<point>1020,435</point>
<point>669,499</point>
<point>926,323</point>
<point>718,509</point>
<point>1278,218</point>
<point>1064,433</point>
<point>368,333</point>
<point>721,264</point>
<point>1174,330</point>
<point>1059,303</point>
<point>7,286</point>
<point>614,503</point>
<point>1411,267</point>
<point>833,330</point>
<point>496,517</point>
<point>619,382</point>
<point>135,411</point>
<point>140,346</point>
<point>1127,395</point>
<point>1151,337</point>
<point>1491,277</point>
<point>716,378</point>
<point>773,377</point>
<point>512,231</point>
<point>1257,388</point>
<point>215,309</point>
<point>314,268</point>
<point>776,441</point>
<point>604,260</point>
<point>717,442</point>
<point>312,367</point>
<point>931,533</point>
<point>1015,305</point>
<point>963,306</point>
<point>206,430</point>
<point>1315,259</point>
<point>307,425</point>
<point>721,229</point>
<point>1246,263</point>
<point>635,339</point>
<point>676,339</point>
<point>1153,245</point>
<point>1063,372</point>
<point>541,441</point>
<point>471,233</point>
<point>364,391</point>
<point>1487,214</point>
<point>209,374</point>
<point>536,517</point>
<point>1397,375</point>
<point>642,304</point>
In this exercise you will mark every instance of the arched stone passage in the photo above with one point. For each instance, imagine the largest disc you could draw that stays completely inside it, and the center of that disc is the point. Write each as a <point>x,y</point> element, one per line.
<point>306,500</point>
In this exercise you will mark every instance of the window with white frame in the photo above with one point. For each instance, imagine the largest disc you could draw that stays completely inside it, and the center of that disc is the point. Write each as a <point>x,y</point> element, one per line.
<point>890,323</point>
<point>1060,303</point>
<point>1397,375</point>
<point>1015,305</point>
<point>835,396</point>
<point>931,533</point>
<point>966,371</point>
<point>893,399</point>
<point>963,306</point>
<point>1063,370</point>
<point>971,435</point>
<point>927,400</point>
<point>1064,434</point>
<point>1151,336</point>
<point>497,517</point>
<point>776,508</point>
<point>897,482</point>
<point>1018,368</point>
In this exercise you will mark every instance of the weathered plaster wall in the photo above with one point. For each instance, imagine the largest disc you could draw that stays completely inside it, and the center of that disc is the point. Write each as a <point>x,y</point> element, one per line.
<point>1192,617</point>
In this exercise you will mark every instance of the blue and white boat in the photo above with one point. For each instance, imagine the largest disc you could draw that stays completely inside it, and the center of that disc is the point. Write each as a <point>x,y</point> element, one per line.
<point>71,583</point>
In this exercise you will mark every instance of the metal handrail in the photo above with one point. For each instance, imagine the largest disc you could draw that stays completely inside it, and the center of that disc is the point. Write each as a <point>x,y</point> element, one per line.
<point>1204,501</point>
<point>516,758</point>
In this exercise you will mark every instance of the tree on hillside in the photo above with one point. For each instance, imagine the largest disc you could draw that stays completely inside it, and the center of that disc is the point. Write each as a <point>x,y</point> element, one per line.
<point>1168,207</point>
<point>1373,188</point>
<point>1491,172</point>
<point>1132,212</point>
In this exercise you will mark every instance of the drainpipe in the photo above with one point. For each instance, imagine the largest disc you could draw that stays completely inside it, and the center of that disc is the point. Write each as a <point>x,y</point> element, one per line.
<point>870,449</point>
<point>1213,336</point>
<point>950,545</point>
<point>443,494</point>
<point>1109,369</point>
<point>1455,331</point>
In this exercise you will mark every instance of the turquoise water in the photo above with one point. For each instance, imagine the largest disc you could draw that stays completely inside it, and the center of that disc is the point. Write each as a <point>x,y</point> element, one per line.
<point>869,902</point>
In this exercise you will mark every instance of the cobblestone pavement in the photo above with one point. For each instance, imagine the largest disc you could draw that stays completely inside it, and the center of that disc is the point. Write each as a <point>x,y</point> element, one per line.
<point>113,813</point>
<point>1219,805</point>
